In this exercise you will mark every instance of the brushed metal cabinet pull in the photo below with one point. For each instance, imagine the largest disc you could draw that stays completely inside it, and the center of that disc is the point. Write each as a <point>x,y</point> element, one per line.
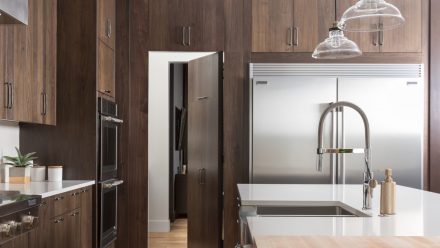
<point>296,35</point>
<point>202,176</point>
<point>381,38</point>
<point>108,28</point>
<point>376,39</point>
<point>202,98</point>
<point>11,96</point>
<point>6,102</point>
<point>44,105</point>
<point>290,35</point>
<point>189,36</point>
<point>183,35</point>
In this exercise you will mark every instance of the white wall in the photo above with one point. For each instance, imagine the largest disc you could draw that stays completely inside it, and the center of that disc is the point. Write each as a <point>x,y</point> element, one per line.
<point>158,136</point>
<point>9,138</point>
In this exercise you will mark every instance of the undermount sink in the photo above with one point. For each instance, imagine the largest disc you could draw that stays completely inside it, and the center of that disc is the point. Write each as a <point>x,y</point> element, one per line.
<point>308,211</point>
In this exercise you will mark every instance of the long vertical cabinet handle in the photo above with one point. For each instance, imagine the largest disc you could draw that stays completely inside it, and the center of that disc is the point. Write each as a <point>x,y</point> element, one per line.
<point>296,35</point>
<point>44,105</point>
<point>109,28</point>
<point>333,160</point>
<point>342,156</point>
<point>6,103</point>
<point>189,36</point>
<point>11,96</point>
<point>183,35</point>
<point>381,38</point>
<point>290,36</point>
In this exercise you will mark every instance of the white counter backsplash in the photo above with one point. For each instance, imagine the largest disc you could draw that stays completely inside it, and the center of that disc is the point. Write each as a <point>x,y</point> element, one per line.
<point>9,138</point>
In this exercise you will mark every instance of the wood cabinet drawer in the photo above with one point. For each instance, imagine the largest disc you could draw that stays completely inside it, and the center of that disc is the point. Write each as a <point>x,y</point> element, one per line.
<point>59,204</point>
<point>74,199</point>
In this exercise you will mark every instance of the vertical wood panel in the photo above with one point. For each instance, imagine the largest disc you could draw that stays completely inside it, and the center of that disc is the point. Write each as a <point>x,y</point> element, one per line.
<point>133,209</point>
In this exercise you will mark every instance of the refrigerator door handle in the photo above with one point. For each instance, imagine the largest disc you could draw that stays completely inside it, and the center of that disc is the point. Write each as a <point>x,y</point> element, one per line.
<point>342,156</point>
<point>333,135</point>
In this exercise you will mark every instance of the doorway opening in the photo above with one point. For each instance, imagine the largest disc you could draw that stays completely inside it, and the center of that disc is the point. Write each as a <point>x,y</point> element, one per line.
<point>184,147</point>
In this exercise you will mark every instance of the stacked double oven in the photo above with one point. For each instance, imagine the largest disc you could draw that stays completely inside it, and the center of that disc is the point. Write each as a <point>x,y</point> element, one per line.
<point>109,124</point>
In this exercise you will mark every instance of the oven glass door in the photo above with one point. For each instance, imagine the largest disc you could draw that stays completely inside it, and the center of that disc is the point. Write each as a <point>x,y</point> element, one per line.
<point>108,214</point>
<point>109,149</point>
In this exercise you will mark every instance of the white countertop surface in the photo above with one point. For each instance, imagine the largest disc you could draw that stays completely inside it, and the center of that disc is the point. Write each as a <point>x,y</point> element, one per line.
<point>47,189</point>
<point>418,212</point>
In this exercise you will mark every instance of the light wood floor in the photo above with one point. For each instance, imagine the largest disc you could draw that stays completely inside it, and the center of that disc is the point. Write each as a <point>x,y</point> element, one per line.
<point>177,238</point>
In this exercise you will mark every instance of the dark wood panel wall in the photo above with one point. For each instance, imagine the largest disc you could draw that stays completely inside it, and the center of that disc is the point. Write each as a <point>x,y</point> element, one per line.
<point>435,97</point>
<point>131,95</point>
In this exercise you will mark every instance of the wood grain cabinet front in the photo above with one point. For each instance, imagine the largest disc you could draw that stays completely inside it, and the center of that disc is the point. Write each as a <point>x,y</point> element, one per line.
<point>28,66</point>
<point>290,25</point>
<point>66,220</point>
<point>191,25</point>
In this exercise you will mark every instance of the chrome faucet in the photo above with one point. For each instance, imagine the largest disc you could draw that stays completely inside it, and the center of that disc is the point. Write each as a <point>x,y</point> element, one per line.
<point>369,183</point>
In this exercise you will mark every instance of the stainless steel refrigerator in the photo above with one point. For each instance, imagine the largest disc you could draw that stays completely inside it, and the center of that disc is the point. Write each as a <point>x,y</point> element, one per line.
<point>288,100</point>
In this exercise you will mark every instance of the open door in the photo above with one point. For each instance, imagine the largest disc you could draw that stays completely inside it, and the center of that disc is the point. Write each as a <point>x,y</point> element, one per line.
<point>204,152</point>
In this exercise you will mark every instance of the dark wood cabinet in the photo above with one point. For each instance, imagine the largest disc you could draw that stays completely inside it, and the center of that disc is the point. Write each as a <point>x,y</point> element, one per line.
<point>405,39</point>
<point>191,25</point>
<point>106,69</point>
<point>22,241</point>
<point>290,25</point>
<point>66,220</point>
<point>28,59</point>
<point>204,152</point>
<point>107,22</point>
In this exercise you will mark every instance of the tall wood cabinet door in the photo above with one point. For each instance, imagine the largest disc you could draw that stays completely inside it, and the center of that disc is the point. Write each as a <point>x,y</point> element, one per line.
<point>205,25</point>
<point>86,218</point>
<point>166,25</point>
<point>367,42</point>
<point>107,21</point>
<point>408,37</point>
<point>42,56</point>
<point>313,18</point>
<point>73,226</point>
<point>59,231</point>
<point>42,236</point>
<point>106,69</point>
<point>272,25</point>
<point>204,151</point>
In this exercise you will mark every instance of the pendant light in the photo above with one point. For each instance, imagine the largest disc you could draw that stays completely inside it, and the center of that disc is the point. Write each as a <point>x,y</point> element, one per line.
<point>371,16</point>
<point>336,46</point>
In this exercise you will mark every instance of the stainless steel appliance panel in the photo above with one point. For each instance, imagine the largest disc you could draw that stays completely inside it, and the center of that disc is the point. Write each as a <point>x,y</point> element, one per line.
<point>286,112</point>
<point>395,109</point>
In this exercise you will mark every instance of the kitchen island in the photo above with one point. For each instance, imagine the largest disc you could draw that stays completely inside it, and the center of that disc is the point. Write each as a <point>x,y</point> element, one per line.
<point>418,216</point>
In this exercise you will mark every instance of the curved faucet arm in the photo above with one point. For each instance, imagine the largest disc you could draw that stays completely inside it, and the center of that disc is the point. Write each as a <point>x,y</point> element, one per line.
<point>337,105</point>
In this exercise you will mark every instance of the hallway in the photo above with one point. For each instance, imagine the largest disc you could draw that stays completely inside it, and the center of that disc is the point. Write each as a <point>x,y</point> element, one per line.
<point>177,238</point>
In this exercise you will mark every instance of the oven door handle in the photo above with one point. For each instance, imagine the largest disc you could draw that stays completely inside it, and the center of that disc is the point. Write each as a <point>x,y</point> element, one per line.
<point>112,184</point>
<point>112,119</point>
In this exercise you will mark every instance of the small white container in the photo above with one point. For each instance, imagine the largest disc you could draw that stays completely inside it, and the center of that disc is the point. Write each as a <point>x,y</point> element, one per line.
<point>4,173</point>
<point>55,173</point>
<point>38,173</point>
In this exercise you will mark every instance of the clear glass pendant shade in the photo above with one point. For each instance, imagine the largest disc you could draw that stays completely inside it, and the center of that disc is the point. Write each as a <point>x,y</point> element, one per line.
<point>337,46</point>
<point>371,16</point>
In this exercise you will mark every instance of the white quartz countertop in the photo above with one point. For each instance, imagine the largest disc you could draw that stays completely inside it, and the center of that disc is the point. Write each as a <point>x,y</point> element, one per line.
<point>418,212</point>
<point>47,189</point>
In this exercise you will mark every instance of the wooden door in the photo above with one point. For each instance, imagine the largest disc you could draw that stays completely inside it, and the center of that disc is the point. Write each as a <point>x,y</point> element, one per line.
<point>313,18</point>
<point>42,236</point>
<point>106,69</point>
<point>408,37</point>
<point>59,231</point>
<point>107,22</point>
<point>272,25</point>
<point>73,226</point>
<point>42,42</point>
<point>166,25</point>
<point>86,218</point>
<point>205,21</point>
<point>367,42</point>
<point>204,152</point>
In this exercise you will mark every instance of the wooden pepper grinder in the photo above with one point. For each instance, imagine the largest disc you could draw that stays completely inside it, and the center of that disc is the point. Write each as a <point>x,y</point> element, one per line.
<point>388,195</point>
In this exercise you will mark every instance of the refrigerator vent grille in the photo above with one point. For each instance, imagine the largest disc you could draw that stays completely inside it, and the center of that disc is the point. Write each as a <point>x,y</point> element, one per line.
<point>338,70</point>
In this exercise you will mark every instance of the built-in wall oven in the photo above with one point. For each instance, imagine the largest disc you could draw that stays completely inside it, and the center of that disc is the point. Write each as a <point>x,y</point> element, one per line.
<point>109,124</point>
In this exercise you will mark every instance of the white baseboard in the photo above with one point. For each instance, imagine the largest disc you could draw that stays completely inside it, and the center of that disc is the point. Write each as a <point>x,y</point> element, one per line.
<point>159,226</point>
